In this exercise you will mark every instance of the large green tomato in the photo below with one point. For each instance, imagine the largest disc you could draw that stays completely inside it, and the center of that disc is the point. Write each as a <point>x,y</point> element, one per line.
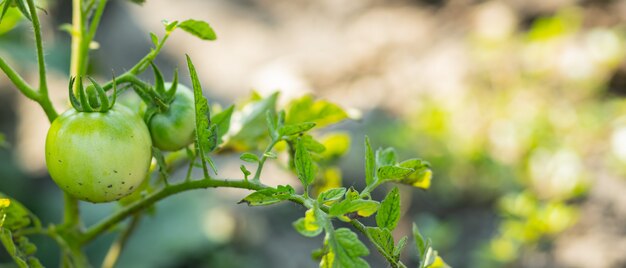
<point>98,157</point>
<point>174,129</point>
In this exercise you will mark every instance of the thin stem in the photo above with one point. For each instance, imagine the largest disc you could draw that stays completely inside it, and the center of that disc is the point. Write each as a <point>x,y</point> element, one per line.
<point>18,81</point>
<point>116,249</point>
<point>71,217</point>
<point>257,174</point>
<point>43,84</point>
<point>133,208</point>
<point>96,19</point>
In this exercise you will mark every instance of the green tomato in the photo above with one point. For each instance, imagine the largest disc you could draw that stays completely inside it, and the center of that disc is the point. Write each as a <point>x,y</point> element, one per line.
<point>175,128</point>
<point>98,157</point>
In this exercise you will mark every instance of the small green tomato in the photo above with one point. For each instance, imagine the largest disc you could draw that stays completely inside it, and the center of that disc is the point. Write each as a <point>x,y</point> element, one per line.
<point>174,129</point>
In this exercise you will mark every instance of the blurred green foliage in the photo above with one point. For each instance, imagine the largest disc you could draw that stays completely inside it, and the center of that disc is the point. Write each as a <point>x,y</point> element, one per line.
<point>524,138</point>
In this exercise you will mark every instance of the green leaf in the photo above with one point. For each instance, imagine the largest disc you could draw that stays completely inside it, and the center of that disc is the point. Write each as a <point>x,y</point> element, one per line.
<point>370,163</point>
<point>245,171</point>
<point>393,172</point>
<point>155,39</point>
<point>388,214</point>
<point>252,120</point>
<point>271,119</point>
<point>268,196</point>
<point>310,225</point>
<point>420,243</point>
<point>19,258</point>
<point>304,164</point>
<point>206,134</point>
<point>293,129</point>
<point>170,26</point>
<point>22,7</point>
<point>331,195</point>
<point>312,145</point>
<point>400,246</point>
<point>348,249</point>
<point>386,157</point>
<point>222,121</point>
<point>383,238</point>
<point>4,203</point>
<point>321,112</point>
<point>17,216</point>
<point>421,176</point>
<point>198,28</point>
<point>353,207</point>
<point>249,157</point>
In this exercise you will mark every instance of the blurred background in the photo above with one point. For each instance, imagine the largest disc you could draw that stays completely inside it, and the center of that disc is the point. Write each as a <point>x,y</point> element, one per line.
<point>518,105</point>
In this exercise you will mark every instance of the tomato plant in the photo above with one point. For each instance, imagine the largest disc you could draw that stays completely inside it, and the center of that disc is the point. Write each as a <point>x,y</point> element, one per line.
<point>100,152</point>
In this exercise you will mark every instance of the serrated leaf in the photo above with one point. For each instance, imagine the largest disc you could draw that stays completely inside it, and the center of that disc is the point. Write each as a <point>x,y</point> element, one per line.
<point>386,157</point>
<point>388,214</point>
<point>321,112</point>
<point>312,145</point>
<point>353,208</point>
<point>249,157</point>
<point>198,28</point>
<point>383,238</point>
<point>370,163</point>
<point>293,129</point>
<point>421,176</point>
<point>19,258</point>
<point>222,121</point>
<point>400,246</point>
<point>304,164</point>
<point>17,216</point>
<point>348,249</point>
<point>393,172</point>
<point>310,225</point>
<point>206,136</point>
<point>268,196</point>
<point>331,195</point>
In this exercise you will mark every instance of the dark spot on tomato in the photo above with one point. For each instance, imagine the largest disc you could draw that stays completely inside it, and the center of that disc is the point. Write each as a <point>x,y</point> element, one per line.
<point>110,185</point>
<point>99,181</point>
<point>131,188</point>
<point>123,182</point>
<point>114,171</point>
<point>60,161</point>
<point>80,183</point>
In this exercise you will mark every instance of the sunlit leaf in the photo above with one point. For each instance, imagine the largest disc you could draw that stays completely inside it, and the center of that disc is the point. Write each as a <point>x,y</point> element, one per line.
<point>249,157</point>
<point>311,224</point>
<point>293,129</point>
<point>321,112</point>
<point>222,121</point>
<point>198,28</point>
<point>331,195</point>
<point>268,196</point>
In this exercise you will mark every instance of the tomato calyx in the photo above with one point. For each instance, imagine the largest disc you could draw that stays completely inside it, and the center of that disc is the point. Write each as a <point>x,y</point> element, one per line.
<point>160,98</point>
<point>92,99</point>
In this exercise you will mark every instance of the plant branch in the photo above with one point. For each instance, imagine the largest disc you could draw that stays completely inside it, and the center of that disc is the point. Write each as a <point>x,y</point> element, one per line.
<point>137,206</point>
<point>116,249</point>
<point>257,174</point>
<point>43,84</point>
<point>18,81</point>
<point>390,259</point>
